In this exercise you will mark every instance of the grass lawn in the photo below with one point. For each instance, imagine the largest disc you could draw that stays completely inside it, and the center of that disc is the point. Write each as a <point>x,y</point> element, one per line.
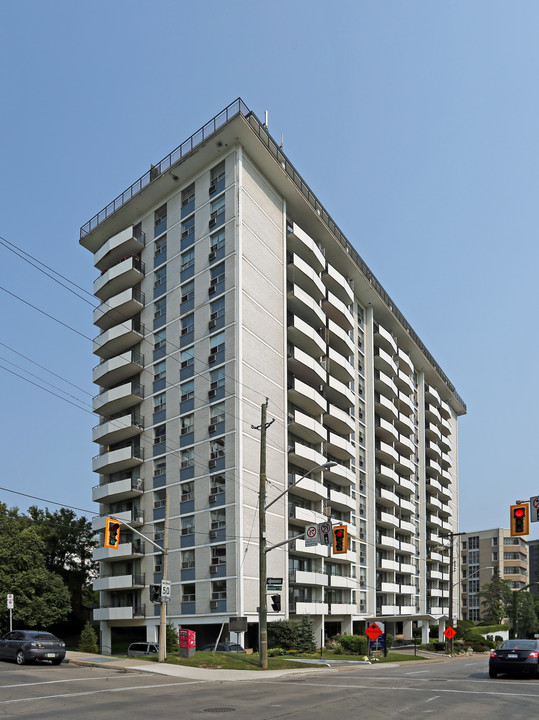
<point>241,661</point>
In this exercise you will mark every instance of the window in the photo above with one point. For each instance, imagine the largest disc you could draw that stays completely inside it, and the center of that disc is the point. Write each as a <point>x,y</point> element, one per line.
<point>495,556</point>
<point>217,484</point>
<point>187,259</point>
<point>188,291</point>
<point>160,249</point>
<point>473,543</point>
<point>217,343</point>
<point>187,424</point>
<point>188,324</point>
<point>218,590</point>
<point>217,240</point>
<point>217,178</point>
<point>187,559</point>
<point>217,274</point>
<point>160,340</point>
<point>159,434</point>
<point>158,563</point>
<point>186,491</point>
<point>159,370</point>
<point>159,467</point>
<point>217,212</point>
<point>473,557</point>
<point>159,499</point>
<point>188,197</point>
<point>160,308</point>
<point>217,519</point>
<point>218,555</point>
<point>187,458</point>
<point>217,413</point>
<point>160,402</point>
<point>187,357</point>
<point>188,525</point>
<point>217,308</point>
<point>160,220</point>
<point>494,541</point>
<point>188,593</point>
<point>188,228</point>
<point>187,391</point>
<point>160,278</point>
<point>473,586</point>
<point>217,378</point>
<point>217,449</point>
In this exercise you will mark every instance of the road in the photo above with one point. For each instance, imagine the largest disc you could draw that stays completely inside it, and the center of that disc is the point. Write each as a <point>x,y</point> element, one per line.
<point>448,690</point>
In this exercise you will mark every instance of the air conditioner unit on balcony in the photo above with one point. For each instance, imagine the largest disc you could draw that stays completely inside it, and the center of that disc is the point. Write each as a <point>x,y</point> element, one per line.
<point>213,221</point>
<point>212,323</point>
<point>212,393</point>
<point>213,187</point>
<point>213,569</point>
<point>185,233</point>
<point>214,604</point>
<point>212,428</point>
<point>213,498</point>
<point>211,290</point>
<point>185,330</point>
<point>212,358</point>
<point>212,255</point>
<point>213,533</point>
<point>212,463</point>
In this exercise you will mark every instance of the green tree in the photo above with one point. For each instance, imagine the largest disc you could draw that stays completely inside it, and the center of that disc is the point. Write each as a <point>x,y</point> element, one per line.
<point>171,634</point>
<point>68,543</point>
<point>497,598</point>
<point>41,596</point>
<point>527,618</point>
<point>88,639</point>
<point>305,642</point>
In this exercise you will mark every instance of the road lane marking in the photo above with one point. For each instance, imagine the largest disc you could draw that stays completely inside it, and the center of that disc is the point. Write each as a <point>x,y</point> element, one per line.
<point>432,698</point>
<point>99,692</point>
<point>53,682</point>
<point>417,672</point>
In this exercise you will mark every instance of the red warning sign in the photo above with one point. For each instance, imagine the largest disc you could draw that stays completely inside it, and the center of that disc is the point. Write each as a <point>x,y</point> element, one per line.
<point>373,631</point>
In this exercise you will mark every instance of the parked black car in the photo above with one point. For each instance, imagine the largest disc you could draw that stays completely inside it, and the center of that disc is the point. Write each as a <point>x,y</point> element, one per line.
<point>224,647</point>
<point>515,656</point>
<point>30,645</point>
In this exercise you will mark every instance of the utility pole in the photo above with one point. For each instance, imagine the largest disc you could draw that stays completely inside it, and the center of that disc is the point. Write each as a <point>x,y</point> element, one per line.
<point>452,536</point>
<point>163,610</point>
<point>262,570</point>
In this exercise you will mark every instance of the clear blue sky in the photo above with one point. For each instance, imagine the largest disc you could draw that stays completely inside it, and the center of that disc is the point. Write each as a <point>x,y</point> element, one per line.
<point>414,122</point>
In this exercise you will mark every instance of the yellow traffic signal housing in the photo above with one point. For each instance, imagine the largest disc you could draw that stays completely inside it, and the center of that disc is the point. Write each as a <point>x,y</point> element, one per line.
<point>520,520</point>
<point>112,534</point>
<point>340,539</point>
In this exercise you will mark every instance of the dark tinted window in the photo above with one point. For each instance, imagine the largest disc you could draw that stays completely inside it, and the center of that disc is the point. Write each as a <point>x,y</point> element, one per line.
<point>519,645</point>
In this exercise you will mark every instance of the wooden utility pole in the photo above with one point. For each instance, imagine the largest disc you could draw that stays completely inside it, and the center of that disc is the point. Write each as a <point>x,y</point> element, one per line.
<point>163,613</point>
<point>262,571</point>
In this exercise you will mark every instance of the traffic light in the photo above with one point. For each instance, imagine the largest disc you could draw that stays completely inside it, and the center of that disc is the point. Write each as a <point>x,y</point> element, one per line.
<point>340,539</point>
<point>155,593</point>
<point>112,534</point>
<point>520,520</point>
<point>276,603</point>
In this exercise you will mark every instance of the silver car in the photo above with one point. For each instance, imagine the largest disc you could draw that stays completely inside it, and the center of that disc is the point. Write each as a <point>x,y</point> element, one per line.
<point>24,646</point>
<point>139,649</point>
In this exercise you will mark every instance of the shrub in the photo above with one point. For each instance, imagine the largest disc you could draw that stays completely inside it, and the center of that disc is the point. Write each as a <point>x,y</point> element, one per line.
<point>498,639</point>
<point>390,639</point>
<point>88,639</point>
<point>304,636</point>
<point>438,646</point>
<point>479,647</point>
<point>171,634</point>
<point>275,652</point>
<point>352,645</point>
<point>282,634</point>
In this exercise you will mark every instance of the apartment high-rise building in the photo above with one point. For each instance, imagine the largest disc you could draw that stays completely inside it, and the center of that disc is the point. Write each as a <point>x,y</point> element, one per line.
<point>482,552</point>
<point>224,282</point>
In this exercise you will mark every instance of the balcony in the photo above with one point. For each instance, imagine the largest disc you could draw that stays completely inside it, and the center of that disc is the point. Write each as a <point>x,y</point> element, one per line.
<point>405,383</point>
<point>386,431</point>
<point>385,519</point>
<point>305,367</point>
<point>113,401</point>
<point>305,396</point>
<point>387,541</point>
<point>117,491</point>
<point>340,367</point>
<point>298,241</point>
<point>304,577</point>
<point>126,274</point>
<point>342,501</point>
<point>384,339</point>
<point>116,340</point>
<point>386,497</point>
<point>384,362</point>
<point>386,564</point>
<point>405,404</point>
<point>338,447</point>
<point>404,445</point>
<point>339,420</point>
<point>405,361</point>
<point>119,309</point>
<point>300,272</point>
<point>307,488</point>
<point>310,551</point>
<point>340,608</point>
<point>304,456</point>
<point>114,371</point>
<point>308,608</point>
<point>385,408</point>
<point>338,339</point>
<point>388,610</point>
<point>133,517</point>
<point>305,426</point>
<point>338,311</point>
<point>125,551</point>
<point>386,453</point>
<point>304,516</point>
<point>119,429</point>
<point>340,474</point>
<point>302,304</point>
<point>404,466</point>
<point>305,336</point>
<point>119,613</point>
<point>385,474</point>
<point>118,582</point>
<point>404,424</point>
<point>339,394</point>
<point>118,460</point>
<point>126,243</point>
<point>432,450</point>
<point>432,414</point>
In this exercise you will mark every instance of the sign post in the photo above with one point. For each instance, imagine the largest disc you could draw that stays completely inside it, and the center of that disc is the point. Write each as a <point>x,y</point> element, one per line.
<point>10,604</point>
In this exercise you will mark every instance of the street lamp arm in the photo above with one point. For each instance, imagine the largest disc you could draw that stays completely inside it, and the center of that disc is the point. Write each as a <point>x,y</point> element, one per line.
<point>324,466</point>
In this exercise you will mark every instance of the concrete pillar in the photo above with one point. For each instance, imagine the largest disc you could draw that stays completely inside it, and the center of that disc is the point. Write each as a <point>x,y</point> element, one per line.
<point>152,633</point>
<point>424,631</point>
<point>105,638</point>
<point>318,629</point>
<point>407,630</point>
<point>346,625</point>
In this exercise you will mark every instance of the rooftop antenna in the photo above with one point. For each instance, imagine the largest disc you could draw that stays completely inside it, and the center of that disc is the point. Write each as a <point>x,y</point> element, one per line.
<point>282,141</point>
<point>266,118</point>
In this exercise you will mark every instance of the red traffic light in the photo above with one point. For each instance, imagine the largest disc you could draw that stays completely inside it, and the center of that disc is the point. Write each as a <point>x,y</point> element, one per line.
<point>519,512</point>
<point>520,520</point>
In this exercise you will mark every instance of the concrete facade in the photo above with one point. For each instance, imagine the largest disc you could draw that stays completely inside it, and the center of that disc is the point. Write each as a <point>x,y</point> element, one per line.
<point>224,282</point>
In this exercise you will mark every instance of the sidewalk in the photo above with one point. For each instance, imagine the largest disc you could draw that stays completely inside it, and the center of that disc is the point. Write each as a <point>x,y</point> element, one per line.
<point>213,675</point>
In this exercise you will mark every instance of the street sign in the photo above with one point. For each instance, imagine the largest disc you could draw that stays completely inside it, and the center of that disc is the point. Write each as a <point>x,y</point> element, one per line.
<point>165,591</point>
<point>311,535</point>
<point>238,624</point>
<point>534,509</point>
<point>450,633</point>
<point>373,631</point>
<point>275,588</point>
<point>274,581</point>
<point>324,530</point>
<point>10,602</point>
